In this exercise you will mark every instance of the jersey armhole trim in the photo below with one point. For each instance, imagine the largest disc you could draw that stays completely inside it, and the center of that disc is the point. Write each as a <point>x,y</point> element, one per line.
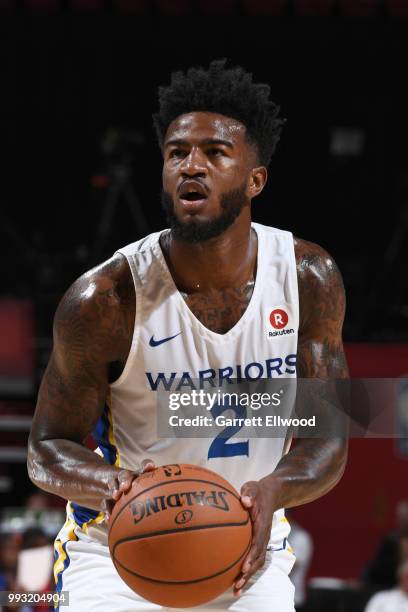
<point>295,277</point>
<point>136,328</point>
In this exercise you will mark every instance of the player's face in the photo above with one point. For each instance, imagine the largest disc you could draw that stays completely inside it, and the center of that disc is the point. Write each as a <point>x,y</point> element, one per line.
<point>206,174</point>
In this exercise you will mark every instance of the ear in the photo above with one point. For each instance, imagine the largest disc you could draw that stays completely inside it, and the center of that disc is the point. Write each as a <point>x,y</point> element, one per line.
<point>257,180</point>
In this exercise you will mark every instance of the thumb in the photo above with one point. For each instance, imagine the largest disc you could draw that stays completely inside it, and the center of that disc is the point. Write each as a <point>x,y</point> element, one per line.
<point>147,465</point>
<point>249,491</point>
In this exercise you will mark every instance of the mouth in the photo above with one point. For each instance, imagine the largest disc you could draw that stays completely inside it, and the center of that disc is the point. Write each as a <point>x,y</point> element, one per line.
<point>193,195</point>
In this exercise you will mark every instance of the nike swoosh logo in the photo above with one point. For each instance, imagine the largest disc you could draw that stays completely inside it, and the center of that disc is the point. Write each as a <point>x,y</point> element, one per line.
<point>154,342</point>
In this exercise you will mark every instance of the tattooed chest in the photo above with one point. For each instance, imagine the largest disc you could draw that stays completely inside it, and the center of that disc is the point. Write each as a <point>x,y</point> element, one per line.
<point>220,310</point>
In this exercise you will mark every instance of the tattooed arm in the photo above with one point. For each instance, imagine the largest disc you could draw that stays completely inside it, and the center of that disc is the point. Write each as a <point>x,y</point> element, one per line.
<point>93,329</point>
<point>313,466</point>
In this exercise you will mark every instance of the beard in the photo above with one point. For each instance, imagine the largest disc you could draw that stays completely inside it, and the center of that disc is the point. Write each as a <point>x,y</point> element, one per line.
<point>231,202</point>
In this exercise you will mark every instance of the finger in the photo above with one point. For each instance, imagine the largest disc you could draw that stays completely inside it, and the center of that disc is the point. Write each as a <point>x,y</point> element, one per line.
<point>147,465</point>
<point>255,566</point>
<point>258,546</point>
<point>249,492</point>
<point>245,576</point>
<point>241,578</point>
<point>107,507</point>
<point>125,479</point>
<point>107,516</point>
<point>249,561</point>
<point>109,504</point>
<point>116,493</point>
<point>253,507</point>
<point>113,488</point>
<point>239,583</point>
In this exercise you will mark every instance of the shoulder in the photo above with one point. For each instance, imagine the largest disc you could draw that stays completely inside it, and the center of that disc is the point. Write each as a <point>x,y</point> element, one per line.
<point>316,269</point>
<point>313,262</point>
<point>99,304</point>
<point>107,285</point>
<point>321,290</point>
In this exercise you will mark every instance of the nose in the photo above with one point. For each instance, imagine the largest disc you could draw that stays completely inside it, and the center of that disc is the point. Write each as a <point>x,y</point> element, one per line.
<point>194,164</point>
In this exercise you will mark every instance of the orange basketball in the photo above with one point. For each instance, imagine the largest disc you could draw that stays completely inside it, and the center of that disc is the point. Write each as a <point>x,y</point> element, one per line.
<point>179,536</point>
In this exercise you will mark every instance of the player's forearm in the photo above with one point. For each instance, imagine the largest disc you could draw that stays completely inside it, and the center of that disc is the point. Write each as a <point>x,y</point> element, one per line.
<point>309,471</point>
<point>70,470</point>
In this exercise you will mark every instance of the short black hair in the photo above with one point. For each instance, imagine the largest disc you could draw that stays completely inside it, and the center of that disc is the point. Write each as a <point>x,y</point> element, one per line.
<point>226,91</point>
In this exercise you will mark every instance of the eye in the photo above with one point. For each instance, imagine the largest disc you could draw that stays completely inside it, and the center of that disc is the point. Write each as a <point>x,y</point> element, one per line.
<point>176,153</point>
<point>215,152</point>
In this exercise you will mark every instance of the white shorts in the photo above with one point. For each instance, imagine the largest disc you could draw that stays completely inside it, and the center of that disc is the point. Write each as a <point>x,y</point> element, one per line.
<point>85,570</point>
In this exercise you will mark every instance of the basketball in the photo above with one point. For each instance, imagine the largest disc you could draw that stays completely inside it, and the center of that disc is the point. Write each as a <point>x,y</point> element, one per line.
<point>179,536</point>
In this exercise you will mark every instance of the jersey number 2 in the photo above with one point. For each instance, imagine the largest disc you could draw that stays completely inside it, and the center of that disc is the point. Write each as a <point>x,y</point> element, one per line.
<point>219,446</point>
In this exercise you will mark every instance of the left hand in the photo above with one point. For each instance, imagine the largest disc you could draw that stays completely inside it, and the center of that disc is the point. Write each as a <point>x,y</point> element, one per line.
<point>257,497</point>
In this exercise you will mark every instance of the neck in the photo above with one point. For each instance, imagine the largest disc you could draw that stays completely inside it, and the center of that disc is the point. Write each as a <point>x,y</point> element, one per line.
<point>225,261</point>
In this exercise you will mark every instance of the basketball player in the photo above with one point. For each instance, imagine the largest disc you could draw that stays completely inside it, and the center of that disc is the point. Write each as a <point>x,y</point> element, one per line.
<point>196,301</point>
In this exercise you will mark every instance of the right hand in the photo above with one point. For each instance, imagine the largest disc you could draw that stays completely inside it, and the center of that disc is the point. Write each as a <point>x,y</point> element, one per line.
<point>121,483</point>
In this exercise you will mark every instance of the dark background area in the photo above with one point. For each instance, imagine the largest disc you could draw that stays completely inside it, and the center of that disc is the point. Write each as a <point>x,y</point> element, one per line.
<point>68,76</point>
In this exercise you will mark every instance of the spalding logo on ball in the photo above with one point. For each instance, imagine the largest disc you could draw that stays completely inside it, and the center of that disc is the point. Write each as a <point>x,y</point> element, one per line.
<point>178,538</point>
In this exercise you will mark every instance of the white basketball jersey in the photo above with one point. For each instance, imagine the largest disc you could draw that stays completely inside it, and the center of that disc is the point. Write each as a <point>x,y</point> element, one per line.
<point>170,344</point>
